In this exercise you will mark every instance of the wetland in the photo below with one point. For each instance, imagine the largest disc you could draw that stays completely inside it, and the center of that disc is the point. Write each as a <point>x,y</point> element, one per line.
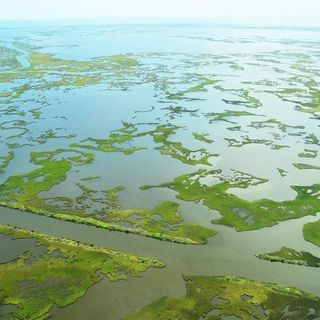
<point>149,171</point>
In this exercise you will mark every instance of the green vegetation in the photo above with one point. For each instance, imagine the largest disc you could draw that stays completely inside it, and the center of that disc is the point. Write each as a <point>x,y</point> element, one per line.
<point>15,125</point>
<point>245,140</point>
<point>163,222</point>
<point>173,112</point>
<point>37,108</point>
<point>225,116</point>
<point>283,173</point>
<point>8,60</point>
<point>19,129</point>
<point>47,72</point>
<point>24,189</point>
<point>312,139</point>
<point>195,84</point>
<point>247,99</point>
<point>192,157</point>
<point>62,274</point>
<point>106,145</point>
<point>73,72</point>
<point>287,255</point>
<point>211,187</point>
<point>5,160</point>
<point>174,86</point>
<point>273,123</point>
<point>305,166</point>
<point>90,178</point>
<point>202,137</point>
<point>313,109</point>
<point>24,193</point>
<point>233,142</point>
<point>308,153</point>
<point>311,232</point>
<point>51,134</point>
<point>175,149</point>
<point>158,223</point>
<point>120,141</point>
<point>216,298</point>
<point>201,87</point>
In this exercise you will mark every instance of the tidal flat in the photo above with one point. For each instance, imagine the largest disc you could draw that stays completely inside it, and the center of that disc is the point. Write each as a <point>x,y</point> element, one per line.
<point>204,136</point>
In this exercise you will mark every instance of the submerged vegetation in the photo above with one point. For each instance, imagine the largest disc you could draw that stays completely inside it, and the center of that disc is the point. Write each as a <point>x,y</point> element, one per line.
<point>216,298</point>
<point>288,255</point>
<point>61,274</point>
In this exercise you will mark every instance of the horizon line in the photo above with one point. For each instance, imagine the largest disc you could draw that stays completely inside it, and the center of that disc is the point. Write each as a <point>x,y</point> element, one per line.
<point>165,20</point>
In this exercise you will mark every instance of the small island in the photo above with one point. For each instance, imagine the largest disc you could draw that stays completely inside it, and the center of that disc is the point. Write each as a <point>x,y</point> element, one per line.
<point>288,255</point>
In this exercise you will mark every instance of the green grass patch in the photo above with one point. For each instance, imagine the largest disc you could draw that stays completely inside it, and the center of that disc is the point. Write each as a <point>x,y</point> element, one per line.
<point>211,187</point>
<point>202,137</point>
<point>216,298</point>
<point>23,192</point>
<point>62,274</point>
<point>311,232</point>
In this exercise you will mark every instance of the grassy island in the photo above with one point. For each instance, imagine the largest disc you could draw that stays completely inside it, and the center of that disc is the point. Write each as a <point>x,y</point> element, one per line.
<point>291,256</point>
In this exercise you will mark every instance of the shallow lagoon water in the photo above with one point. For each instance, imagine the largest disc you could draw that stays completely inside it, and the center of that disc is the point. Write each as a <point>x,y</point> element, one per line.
<point>240,59</point>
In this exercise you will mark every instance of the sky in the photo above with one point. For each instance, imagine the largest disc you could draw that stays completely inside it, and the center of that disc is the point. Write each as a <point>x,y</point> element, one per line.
<point>282,12</point>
